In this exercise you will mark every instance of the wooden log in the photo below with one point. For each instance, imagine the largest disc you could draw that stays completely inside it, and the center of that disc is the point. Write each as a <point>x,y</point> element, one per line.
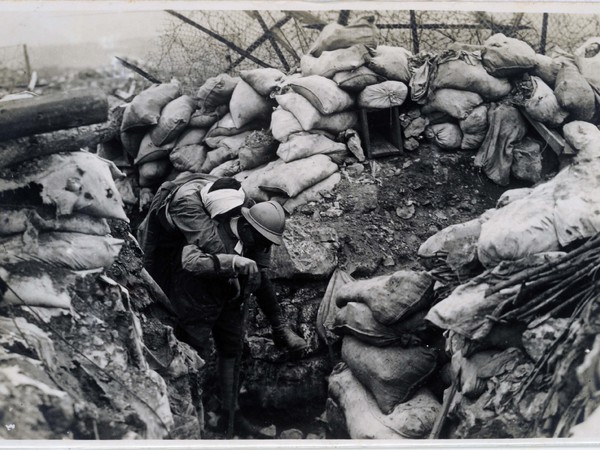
<point>25,148</point>
<point>552,138</point>
<point>52,112</point>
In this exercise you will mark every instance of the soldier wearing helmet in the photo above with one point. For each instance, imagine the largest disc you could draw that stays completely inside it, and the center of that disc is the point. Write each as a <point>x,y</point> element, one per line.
<point>225,244</point>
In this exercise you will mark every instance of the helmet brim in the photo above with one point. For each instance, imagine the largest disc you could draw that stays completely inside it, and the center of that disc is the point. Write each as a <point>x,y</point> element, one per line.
<point>272,237</point>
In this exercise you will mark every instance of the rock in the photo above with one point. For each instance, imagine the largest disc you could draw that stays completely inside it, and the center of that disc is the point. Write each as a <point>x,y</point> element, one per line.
<point>406,212</point>
<point>536,341</point>
<point>314,436</point>
<point>355,169</point>
<point>270,431</point>
<point>308,251</point>
<point>416,127</point>
<point>388,261</point>
<point>292,433</point>
<point>411,144</point>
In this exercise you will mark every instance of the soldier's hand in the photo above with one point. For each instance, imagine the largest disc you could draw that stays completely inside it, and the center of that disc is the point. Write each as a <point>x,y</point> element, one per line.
<point>245,266</point>
<point>145,198</point>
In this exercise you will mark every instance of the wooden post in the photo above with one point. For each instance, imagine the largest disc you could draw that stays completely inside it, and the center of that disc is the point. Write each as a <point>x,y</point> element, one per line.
<point>52,112</point>
<point>544,34</point>
<point>27,63</point>
<point>343,17</point>
<point>271,38</point>
<point>415,34</point>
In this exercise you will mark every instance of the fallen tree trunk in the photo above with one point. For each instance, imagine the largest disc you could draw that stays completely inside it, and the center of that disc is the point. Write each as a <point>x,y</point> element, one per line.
<point>25,148</point>
<point>52,112</point>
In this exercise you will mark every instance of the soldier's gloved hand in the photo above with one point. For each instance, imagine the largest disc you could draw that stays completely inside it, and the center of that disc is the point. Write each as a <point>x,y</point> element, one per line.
<point>145,198</point>
<point>248,269</point>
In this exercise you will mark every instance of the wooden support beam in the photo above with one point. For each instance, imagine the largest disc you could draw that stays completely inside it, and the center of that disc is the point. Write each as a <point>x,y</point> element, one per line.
<point>138,70</point>
<point>219,38</point>
<point>52,112</point>
<point>22,149</point>
<point>273,41</point>
<point>556,142</point>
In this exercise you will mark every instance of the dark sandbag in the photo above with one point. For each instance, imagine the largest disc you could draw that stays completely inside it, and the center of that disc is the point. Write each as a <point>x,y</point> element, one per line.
<point>334,36</point>
<point>504,57</point>
<point>201,119</point>
<point>527,161</point>
<point>215,92</point>
<point>474,128</point>
<point>390,297</point>
<point>356,80</point>
<point>131,140</point>
<point>15,221</point>
<point>328,310</point>
<point>150,152</point>
<point>446,136</point>
<point>258,148</point>
<point>506,128</point>
<point>323,93</point>
<point>215,158</point>
<point>145,107</point>
<point>191,136</point>
<point>227,169</point>
<point>458,104</point>
<point>188,158</point>
<point>383,95</point>
<point>173,119</point>
<point>391,374</point>
<point>264,80</point>
<point>574,93</point>
<point>152,173</point>
<point>226,127</point>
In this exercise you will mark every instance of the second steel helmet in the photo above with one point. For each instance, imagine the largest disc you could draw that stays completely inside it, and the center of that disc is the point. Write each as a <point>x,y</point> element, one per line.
<point>268,218</point>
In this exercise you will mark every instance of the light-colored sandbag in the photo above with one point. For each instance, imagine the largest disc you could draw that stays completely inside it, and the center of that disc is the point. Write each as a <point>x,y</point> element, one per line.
<point>284,124</point>
<point>331,62</point>
<point>390,297</point>
<point>527,161</point>
<point>252,179</point>
<point>587,59</point>
<point>467,73</point>
<point>258,148</point>
<point>310,118</point>
<point>383,95</point>
<point>76,251</point>
<point>312,193</point>
<point>474,128</point>
<point>215,92</point>
<point>70,182</point>
<point>356,80</point>
<point>323,93</point>
<point>503,56</point>
<point>303,145</point>
<point>247,106</point>
<point>546,68</point>
<point>153,173</point>
<point>173,119</point>
<point>145,107</point>
<point>506,128</point>
<point>290,179</point>
<point>215,158</point>
<point>543,105</point>
<point>583,137</point>
<point>16,221</point>
<point>390,62</point>
<point>391,374</point>
<point>150,152</point>
<point>574,93</point>
<point>413,419</point>
<point>264,80</point>
<point>201,119</point>
<point>458,104</point>
<point>447,136</point>
<point>227,169</point>
<point>190,136</point>
<point>511,195</point>
<point>335,36</point>
<point>188,158</point>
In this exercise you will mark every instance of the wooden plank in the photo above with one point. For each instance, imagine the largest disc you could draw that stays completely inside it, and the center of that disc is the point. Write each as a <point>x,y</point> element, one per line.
<point>556,142</point>
<point>52,112</point>
<point>22,149</point>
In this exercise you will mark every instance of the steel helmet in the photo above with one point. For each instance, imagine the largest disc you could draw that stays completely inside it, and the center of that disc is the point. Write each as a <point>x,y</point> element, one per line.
<point>268,218</point>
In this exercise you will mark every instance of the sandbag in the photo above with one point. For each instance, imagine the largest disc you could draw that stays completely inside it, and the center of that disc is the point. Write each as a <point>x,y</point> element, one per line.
<point>152,173</point>
<point>495,156</point>
<point>150,152</point>
<point>465,72</point>
<point>173,119</point>
<point>474,128</point>
<point>356,319</point>
<point>390,297</point>
<point>527,161</point>
<point>458,104</point>
<point>312,193</point>
<point>247,105</point>
<point>331,62</point>
<point>303,145</point>
<point>334,36</point>
<point>145,107</point>
<point>574,93</point>
<point>16,221</point>
<point>583,137</point>
<point>323,93</point>
<point>587,59</point>
<point>227,169</point>
<point>290,179</point>
<point>191,136</point>
<point>264,80</point>
<point>447,136</point>
<point>258,148</point>
<point>201,119</point>
<point>76,251</point>
<point>543,106</point>
<point>226,127</point>
<point>383,95</point>
<point>188,158</point>
<point>413,419</point>
<point>234,142</point>
<point>356,80</point>
<point>390,62</point>
<point>310,118</point>
<point>391,374</point>
<point>215,92</point>
<point>511,195</point>
<point>251,180</point>
<point>327,308</point>
<point>215,158</point>
<point>523,227</point>
<point>70,182</point>
<point>284,124</point>
<point>546,68</point>
<point>503,56</point>
<point>131,140</point>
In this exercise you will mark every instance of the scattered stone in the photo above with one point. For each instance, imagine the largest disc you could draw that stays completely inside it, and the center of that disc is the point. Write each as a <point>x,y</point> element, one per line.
<point>355,169</point>
<point>388,261</point>
<point>411,144</point>
<point>270,431</point>
<point>213,419</point>
<point>332,212</point>
<point>314,436</point>
<point>292,433</point>
<point>416,127</point>
<point>407,211</point>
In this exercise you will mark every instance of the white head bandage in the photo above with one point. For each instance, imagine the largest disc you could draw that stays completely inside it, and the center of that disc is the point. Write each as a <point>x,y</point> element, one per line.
<point>222,200</point>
